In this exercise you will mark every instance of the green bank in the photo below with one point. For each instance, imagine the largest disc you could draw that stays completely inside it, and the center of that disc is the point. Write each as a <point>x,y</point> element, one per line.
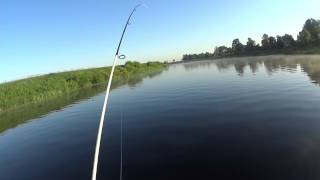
<point>43,88</point>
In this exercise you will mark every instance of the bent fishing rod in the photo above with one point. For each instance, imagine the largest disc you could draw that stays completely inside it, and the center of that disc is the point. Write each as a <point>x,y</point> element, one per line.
<point>105,104</point>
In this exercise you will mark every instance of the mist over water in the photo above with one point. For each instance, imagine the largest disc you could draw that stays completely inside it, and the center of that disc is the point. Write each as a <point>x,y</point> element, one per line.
<point>235,118</point>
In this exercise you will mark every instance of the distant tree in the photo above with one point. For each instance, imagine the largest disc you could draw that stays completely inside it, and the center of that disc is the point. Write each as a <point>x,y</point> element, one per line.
<point>309,36</point>
<point>216,51</point>
<point>280,42</point>
<point>237,47</point>
<point>251,44</point>
<point>272,42</point>
<point>222,51</point>
<point>288,41</point>
<point>185,57</point>
<point>304,37</point>
<point>207,54</point>
<point>265,41</point>
<point>313,27</point>
<point>285,41</point>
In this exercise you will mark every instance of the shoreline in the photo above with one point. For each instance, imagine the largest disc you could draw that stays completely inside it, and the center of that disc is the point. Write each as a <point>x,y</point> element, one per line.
<point>49,86</point>
<point>250,56</point>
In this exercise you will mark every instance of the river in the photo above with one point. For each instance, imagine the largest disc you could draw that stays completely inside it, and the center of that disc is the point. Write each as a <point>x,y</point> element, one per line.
<point>233,118</point>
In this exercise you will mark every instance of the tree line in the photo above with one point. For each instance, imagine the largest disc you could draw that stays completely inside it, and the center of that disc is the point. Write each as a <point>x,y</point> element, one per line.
<point>307,41</point>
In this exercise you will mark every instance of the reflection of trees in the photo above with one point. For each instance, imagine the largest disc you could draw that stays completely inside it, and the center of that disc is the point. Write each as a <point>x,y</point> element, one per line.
<point>253,66</point>
<point>197,64</point>
<point>273,64</point>
<point>223,64</point>
<point>240,64</point>
<point>270,63</point>
<point>239,67</point>
<point>291,67</point>
<point>309,64</point>
<point>12,118</point>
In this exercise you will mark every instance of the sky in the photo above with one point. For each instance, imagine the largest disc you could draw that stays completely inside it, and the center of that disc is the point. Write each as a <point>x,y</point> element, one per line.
<point>44,36</point>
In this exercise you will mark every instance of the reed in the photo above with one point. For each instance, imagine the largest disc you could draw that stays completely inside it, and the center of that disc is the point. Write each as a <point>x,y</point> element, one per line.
<point>44,87</point>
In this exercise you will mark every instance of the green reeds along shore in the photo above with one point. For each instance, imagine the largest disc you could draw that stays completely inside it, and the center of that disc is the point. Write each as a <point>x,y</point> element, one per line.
<point>45,87</point>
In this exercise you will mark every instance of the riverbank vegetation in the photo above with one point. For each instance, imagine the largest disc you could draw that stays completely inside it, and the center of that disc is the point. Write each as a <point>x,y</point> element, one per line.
<point>15,116</point>
<point>307,42</point>
<point>45,87</point>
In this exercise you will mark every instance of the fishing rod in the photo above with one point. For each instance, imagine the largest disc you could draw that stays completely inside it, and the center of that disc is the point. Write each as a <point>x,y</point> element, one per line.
<point>105,104</point>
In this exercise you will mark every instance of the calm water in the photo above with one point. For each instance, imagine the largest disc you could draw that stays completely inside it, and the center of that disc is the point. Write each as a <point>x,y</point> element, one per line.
<point>246,118</point>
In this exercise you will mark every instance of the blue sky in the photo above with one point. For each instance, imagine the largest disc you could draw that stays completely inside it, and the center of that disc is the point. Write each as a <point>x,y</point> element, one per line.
<point>42,36</point>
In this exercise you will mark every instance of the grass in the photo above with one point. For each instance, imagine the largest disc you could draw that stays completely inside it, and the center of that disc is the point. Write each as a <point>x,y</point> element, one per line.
<point>15,116</point>
<point>49,86</point>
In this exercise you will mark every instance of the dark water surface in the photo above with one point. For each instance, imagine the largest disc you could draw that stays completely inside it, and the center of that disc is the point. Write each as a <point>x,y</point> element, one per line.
<point>245,118</point>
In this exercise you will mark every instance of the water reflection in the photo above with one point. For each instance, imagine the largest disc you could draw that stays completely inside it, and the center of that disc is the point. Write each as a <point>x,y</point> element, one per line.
<point>239,67</point>
<point>198,120</point>
<point>254,66</point>
<point>12,118</point>
<point>310,64</point>
<point>197,64</point>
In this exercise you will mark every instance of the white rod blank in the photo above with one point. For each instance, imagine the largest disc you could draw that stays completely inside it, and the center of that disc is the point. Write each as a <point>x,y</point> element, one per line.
<point>105,104</point>
<point>104,109</point>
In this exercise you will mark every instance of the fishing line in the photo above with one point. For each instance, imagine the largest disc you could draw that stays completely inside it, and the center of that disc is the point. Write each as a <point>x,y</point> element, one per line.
<point>121,141</point>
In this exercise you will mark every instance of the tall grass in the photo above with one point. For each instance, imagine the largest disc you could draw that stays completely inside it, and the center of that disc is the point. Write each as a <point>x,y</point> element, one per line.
<point>42,88</point>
